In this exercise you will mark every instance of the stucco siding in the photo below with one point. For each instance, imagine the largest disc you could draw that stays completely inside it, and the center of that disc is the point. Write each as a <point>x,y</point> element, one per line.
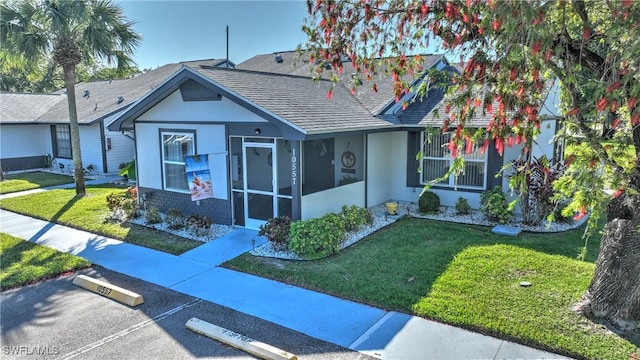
<point>380,167</point>
<point>174,109</point>
<point>332,200</point>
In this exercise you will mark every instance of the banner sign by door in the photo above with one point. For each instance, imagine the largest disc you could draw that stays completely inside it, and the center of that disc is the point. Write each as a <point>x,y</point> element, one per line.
<point>199,177</point>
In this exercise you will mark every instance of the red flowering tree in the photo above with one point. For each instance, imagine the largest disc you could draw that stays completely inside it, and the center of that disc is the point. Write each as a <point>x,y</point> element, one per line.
<point>512,50</point>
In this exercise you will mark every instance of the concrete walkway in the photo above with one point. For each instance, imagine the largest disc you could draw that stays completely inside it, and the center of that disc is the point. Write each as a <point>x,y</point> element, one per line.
<point>370,330</point>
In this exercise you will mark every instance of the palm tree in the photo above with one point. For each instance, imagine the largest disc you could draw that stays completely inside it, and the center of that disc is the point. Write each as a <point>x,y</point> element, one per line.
<point>69,32</point>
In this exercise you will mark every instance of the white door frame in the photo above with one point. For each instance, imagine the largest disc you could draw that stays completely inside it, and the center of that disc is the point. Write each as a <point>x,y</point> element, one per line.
<point>250,222</point>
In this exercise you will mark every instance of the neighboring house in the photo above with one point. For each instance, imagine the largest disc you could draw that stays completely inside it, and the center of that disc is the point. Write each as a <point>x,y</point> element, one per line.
<point>277,146</point>
<point>34,128</point>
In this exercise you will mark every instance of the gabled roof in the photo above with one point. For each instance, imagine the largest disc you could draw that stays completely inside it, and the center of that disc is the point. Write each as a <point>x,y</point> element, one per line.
<point>22,108</point>
<point>294,64</point>
<point>298,99</point>
<point>292,102</point>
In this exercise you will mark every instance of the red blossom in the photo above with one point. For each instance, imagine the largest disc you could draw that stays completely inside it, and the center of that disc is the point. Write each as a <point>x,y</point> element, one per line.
<point>330,94</point>
<point>618,193</point>
<point>586,33</point>
<point>536,47</point>
<point>614,86</point>
<point>635,119</point>
<point>495,25</point>
<point>573,111</point>
<point>602,104</point>
<point>631,103</point>
<point>615,123</point>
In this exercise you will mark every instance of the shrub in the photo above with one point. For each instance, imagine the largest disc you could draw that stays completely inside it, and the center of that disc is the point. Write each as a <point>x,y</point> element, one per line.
<point>494,205</point>
<point>175,219</point>
<point>533,181</point>
<point>277,230</point>
<point>317,238</point>
<point>198,225</point>
<point>429,202</point>
<point>355,216</point>
<point>152,216</point>
<point>123,205</point>
<point>462,206</point>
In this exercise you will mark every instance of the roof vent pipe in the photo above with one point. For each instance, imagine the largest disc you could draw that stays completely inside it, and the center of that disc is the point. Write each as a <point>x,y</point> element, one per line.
<point>279,59</point>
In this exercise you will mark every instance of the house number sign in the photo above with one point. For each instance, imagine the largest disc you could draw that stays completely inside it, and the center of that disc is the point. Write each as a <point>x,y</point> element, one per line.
<point>294,166</point>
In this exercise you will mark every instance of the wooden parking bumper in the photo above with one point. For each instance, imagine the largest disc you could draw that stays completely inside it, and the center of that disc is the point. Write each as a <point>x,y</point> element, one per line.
<point>244,343</point>
<point>108,290</point>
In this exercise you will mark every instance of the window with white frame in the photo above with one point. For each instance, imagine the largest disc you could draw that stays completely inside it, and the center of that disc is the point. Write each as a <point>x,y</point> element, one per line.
<point>437,160</point>
<point>175,147</point>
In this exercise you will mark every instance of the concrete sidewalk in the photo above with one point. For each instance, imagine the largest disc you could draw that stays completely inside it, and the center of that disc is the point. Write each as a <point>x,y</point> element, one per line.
<point>372,331</point>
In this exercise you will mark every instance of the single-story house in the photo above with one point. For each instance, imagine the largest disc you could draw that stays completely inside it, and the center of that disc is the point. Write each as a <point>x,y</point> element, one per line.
<point>34,128</point>
<point>275,144</point>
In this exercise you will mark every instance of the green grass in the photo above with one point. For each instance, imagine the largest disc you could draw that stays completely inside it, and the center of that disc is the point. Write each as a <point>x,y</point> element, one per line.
<point>32,180</point>
<point>25,263</point>
<point>466,276</point>
<point>89,212</point>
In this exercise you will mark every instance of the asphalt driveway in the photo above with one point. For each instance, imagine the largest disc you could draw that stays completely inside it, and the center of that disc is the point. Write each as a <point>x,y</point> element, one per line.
<point>58,320</point>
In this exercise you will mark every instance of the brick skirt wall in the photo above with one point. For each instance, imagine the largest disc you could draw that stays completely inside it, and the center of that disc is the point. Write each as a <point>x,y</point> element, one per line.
<point>217,210</point>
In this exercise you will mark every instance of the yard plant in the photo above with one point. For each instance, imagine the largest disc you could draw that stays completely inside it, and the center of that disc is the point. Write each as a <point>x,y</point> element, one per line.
<point>466,276</point>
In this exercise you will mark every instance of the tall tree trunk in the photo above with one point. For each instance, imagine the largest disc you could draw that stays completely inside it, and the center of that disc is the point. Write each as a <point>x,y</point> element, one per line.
<point>78,172</point>
<point>614,292</point>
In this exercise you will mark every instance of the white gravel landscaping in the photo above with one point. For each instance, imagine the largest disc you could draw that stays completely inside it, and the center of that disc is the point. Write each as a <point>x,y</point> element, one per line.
<point>380,220</point>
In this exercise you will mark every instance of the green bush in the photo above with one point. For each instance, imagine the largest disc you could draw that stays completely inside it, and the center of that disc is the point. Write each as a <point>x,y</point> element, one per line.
<point>123,205</point>
<point>494,205</point>
<point>152,216</point>
<point>198,225</point>
<point>355,216</point>
<point>175,219</point>
<point>277,230</point>
<point>317,238</point>
<point>462,206</point>
<point>429,202</point>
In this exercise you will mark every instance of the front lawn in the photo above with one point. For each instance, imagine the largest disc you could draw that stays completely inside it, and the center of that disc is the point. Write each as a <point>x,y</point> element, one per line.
<point>466,276</point>
<point>89,212</point>
<point>32,180</point>
<point>24,263</point>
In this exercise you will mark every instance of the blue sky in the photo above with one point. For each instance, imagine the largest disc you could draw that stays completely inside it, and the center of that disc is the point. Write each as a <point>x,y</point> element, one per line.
<point>174,31</point>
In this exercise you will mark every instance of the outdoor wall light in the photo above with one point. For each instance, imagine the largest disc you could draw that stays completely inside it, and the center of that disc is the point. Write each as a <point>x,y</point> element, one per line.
<point>257,130</point>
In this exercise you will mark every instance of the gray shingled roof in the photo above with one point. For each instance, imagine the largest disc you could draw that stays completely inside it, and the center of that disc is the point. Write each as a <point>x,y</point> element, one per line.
<point>21,108</point>
<point>101,102</point>
<point>292,64</point>
<point>297,99</point>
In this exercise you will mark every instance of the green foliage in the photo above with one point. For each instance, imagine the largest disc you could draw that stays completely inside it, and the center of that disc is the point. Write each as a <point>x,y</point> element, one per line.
<point>429,202</point>
<point>198,225</point>
<point>128,170</point>
<point>277,230</point>
<point>123,205</point>
<point>175,219</point>
<point>462,206</point>
<point>494,205</point>
<point>355,216</point>
<point>533,181</point>
<point>317,238</point>
<point>153,216</point>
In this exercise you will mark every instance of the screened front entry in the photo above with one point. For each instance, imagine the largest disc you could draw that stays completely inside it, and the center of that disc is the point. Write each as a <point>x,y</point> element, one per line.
<point>260,191</point>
